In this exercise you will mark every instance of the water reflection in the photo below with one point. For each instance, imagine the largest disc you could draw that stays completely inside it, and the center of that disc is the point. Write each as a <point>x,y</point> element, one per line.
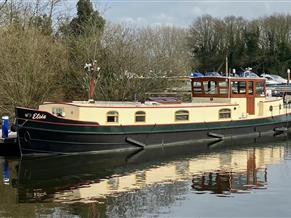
<point>251,175</point>
<point>127,184</point>
<point>5,171</point>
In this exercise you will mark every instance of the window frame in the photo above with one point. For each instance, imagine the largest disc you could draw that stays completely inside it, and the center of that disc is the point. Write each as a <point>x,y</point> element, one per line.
<point>201,86</point>
<point>257,84</point>
<point>260,89</point>
<point>143,114</point>
<point>224,111</point>
<point>183,113</point>
<point>115,115</point>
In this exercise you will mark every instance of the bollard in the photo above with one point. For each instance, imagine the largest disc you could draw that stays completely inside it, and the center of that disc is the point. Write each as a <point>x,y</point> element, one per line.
<point>6,173</point>
<point>5,126</point>
<point>288,76</point>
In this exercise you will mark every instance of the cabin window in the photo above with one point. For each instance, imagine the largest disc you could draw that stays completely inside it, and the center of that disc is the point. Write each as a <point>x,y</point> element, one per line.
<point>140,116</point>
<point>224,113</point>
<point>112,117</point>
<point>182,115</point>
<point>58,111</point>
<point>260,88</point>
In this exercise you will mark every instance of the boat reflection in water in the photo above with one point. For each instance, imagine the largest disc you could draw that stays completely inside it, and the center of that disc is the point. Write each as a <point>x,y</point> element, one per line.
<point>90,178</point>
<point>134,184</point>
<point>225,182</point>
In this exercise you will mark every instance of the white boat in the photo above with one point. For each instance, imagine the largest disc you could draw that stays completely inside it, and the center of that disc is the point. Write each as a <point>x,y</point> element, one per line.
<point>274,80</point>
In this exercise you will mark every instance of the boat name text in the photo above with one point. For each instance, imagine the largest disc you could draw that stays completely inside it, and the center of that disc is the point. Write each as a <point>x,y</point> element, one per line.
<point>37,116</point>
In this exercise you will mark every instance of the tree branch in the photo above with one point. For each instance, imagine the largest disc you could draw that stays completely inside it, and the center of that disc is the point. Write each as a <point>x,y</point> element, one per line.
<point>4,3</point>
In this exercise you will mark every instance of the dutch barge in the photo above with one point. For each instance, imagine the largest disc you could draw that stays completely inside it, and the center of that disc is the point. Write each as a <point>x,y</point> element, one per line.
<point>221,107</point>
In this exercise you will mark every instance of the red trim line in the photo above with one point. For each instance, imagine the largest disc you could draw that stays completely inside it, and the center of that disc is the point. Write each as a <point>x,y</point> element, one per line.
<point>158,106</point>
<point>60,124</point>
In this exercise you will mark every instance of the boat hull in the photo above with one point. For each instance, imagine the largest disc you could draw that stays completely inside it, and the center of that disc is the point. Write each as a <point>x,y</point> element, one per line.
<point>53,135</point>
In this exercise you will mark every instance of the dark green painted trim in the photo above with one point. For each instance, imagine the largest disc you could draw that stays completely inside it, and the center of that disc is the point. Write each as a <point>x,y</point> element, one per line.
<point>156,128</point>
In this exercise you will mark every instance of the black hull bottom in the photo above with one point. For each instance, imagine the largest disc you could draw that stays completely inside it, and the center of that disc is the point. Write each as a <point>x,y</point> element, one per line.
<point>41,142</point>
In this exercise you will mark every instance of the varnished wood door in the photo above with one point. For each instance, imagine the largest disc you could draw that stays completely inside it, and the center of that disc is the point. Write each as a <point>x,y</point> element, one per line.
<point>250,98</point>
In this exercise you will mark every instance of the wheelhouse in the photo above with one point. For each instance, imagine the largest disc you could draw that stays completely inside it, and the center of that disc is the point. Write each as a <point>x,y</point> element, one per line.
<point>218,88</point>
<point>228,87</point>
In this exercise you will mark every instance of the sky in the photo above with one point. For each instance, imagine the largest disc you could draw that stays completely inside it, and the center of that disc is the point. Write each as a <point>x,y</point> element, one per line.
<point>182,12</point>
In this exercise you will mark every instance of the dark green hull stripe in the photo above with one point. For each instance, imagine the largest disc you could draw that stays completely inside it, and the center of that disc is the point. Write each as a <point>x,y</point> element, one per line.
<point>156,128</point>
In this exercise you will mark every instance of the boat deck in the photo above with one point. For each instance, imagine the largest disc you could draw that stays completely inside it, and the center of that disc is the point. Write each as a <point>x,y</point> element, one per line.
<point>145,104</point>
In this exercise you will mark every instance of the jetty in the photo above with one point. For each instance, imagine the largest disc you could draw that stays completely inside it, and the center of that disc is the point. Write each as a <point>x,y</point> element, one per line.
<point>11,139</point>
<point>9,146</point>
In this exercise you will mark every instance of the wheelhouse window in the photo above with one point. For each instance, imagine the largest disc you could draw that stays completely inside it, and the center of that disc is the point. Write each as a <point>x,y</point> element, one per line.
<point>182,115</point>
<point>260,88</point>
<point>224,113</point>
<point>140,116</point>
<point>238,87</point>
<point>112,117</point>
<point>227,87</point>
<point>197,88</point>
<point>223,87</point>
<point>210,87</point>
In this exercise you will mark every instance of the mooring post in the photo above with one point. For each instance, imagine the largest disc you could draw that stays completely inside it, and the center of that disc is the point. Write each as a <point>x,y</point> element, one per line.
<point>226,66</point>
<point>288,76</point>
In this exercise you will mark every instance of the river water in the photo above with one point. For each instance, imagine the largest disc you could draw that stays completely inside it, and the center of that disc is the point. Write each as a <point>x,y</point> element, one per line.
<point>249,178</point>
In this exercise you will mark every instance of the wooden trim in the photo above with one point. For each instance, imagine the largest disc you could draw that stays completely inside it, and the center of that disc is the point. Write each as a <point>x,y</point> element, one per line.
<point>211,95</point>
<point>245,79</point>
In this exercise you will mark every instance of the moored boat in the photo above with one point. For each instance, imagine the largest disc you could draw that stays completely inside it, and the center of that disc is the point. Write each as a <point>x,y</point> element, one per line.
<point>221,107</point>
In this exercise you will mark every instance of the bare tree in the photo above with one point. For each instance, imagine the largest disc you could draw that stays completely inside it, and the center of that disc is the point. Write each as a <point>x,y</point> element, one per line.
<point>3,4</point>
<point>30,68</point>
